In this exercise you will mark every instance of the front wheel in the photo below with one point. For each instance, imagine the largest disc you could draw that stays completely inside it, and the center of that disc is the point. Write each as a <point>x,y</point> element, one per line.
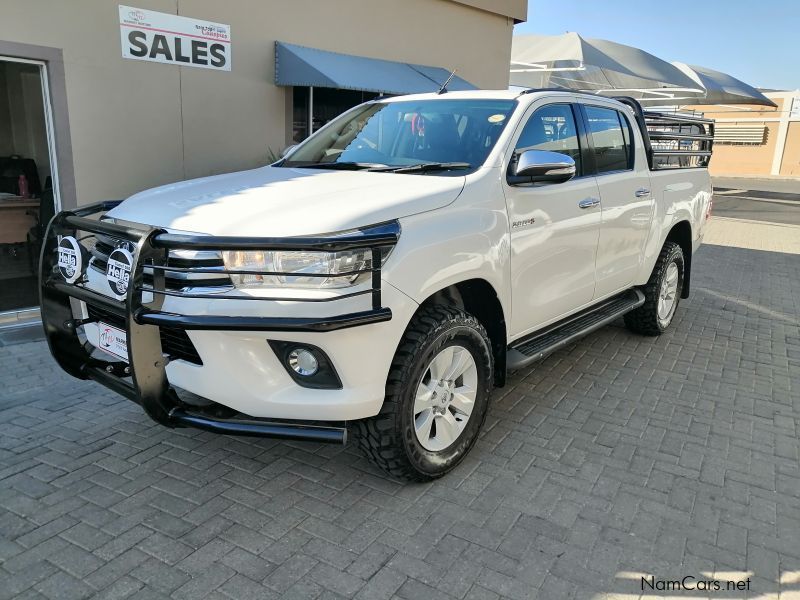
<point>662,293</point>
<point>437,394</point>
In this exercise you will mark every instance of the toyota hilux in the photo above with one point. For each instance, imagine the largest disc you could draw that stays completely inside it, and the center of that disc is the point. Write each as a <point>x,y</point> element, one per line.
<point>386,273</point>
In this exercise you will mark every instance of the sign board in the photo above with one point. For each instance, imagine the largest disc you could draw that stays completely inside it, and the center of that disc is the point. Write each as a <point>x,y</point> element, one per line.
<point>794,113</point>
<point>170,39</point>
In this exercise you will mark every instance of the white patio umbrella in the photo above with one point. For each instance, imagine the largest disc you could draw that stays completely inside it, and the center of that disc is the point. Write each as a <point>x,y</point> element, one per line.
<point>722,88</point>
<point>598,66</point>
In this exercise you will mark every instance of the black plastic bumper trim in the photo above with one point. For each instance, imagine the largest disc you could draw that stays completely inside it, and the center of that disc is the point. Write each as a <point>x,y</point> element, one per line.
<point>223,323</point>
<point>283,431</point>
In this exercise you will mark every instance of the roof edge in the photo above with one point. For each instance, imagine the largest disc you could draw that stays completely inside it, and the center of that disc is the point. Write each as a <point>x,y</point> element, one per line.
<point>513,9</point>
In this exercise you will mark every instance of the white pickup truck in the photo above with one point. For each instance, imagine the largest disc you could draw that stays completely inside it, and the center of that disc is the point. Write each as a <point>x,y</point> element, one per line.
<point>385,274</point>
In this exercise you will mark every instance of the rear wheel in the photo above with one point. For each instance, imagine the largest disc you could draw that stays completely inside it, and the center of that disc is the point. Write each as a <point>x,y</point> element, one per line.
<point>662,293</point>
<point>437,394</point>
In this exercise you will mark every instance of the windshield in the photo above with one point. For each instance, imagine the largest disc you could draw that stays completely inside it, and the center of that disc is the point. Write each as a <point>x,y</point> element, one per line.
<point>422,136</point>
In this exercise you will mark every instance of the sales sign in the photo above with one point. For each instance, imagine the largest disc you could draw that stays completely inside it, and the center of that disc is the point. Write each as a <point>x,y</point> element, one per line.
<point>164,38</point>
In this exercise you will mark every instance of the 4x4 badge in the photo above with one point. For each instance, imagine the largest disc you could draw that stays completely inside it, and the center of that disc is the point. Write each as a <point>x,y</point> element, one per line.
<point>118,272</point>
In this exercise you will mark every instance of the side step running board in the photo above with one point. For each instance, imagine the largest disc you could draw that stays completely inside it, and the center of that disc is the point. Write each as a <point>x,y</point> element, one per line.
<point>541,343</point>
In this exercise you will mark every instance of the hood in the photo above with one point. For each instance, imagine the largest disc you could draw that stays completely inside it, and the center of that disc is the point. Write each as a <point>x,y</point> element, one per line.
<point>277,201</point>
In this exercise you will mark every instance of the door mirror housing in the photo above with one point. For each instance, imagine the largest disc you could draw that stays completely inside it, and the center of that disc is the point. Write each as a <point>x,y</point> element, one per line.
<point>538,166</point>
<point>287,150</point>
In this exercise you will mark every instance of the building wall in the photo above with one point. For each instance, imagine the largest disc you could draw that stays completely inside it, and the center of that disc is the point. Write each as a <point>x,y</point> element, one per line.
<point>779,155</point>
<point>732,159</point>
<point>137,124</point>
<point>790,165</point>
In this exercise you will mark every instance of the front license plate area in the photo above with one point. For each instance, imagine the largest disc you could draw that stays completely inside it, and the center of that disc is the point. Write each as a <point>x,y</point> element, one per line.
<point>113,340</point>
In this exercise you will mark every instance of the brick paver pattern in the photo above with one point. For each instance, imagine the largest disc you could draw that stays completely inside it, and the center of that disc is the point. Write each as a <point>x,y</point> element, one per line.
<point>616,458</point>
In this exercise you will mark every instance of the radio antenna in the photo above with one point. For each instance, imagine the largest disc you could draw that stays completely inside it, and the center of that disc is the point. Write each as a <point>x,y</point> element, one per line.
<point>443,89</point>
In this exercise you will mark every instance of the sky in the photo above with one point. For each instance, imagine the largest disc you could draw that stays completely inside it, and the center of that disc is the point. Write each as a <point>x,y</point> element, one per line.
<point>753,41</point>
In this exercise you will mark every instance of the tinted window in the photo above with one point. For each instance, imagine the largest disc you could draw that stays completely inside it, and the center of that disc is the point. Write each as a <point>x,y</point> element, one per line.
<point>552,128</point>
<point>612,145</point>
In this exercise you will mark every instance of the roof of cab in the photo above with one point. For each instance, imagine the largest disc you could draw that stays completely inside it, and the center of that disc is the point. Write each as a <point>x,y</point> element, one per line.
<point>461,95</point>
<point>480,95</point>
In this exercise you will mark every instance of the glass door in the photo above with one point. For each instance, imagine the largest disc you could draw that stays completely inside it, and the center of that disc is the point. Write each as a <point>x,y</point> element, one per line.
<point>28,180</point>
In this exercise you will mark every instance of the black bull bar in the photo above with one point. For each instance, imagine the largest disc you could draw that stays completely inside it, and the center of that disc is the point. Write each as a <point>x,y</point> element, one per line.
<point>143,379</point>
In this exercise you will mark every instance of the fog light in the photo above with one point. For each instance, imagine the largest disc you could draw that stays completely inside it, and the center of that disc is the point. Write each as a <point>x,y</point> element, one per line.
<point>303,362</point>
<point>307,365</point>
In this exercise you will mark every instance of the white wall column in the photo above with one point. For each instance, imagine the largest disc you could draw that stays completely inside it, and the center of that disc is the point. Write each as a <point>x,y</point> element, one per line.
<point>783,131</point>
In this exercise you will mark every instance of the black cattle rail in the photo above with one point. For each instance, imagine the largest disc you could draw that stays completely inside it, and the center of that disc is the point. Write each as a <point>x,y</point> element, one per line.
<point>143,378</point>
<point>673,140</point>
<point>679,141</point>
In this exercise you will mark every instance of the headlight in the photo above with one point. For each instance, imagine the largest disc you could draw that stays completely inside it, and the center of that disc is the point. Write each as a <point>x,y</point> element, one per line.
<point>294,267</point>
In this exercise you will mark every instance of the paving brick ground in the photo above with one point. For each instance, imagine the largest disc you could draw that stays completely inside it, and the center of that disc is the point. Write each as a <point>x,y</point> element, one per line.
<point>618,457</point>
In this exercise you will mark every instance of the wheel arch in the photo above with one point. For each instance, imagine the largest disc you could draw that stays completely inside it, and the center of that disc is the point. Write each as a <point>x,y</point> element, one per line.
<point>681,234</point>
<point>479,298</point>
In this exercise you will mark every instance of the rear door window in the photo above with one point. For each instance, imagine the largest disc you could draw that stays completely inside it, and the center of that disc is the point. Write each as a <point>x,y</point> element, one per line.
<point>611,139</point>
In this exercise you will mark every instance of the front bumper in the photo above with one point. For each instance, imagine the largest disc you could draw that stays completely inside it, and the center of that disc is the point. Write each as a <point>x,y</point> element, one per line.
<point>239,368</point>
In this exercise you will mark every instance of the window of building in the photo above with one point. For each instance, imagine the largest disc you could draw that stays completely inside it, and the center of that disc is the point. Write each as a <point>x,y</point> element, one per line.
<point>612,140</point>
<point>750,134</point>
<point>326,104</point>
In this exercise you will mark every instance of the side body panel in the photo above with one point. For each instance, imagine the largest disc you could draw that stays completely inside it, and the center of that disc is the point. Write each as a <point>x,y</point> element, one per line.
<point>678,195</point>
<point>466,240</point>
<point>553,248</point>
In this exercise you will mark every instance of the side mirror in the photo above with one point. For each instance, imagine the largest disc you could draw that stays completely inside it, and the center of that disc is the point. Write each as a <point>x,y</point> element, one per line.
<point>287,150</point>
<point>534,166</point>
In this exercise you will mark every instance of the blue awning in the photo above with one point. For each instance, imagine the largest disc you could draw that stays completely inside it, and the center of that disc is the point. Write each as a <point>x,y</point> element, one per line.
<point>302,66</point>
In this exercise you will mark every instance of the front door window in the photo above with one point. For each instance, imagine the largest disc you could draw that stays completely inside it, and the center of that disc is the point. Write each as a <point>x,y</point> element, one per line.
<point>552,128</point>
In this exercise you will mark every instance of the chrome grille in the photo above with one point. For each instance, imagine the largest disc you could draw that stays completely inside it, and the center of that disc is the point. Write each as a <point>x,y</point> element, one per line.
<point>104,246</point>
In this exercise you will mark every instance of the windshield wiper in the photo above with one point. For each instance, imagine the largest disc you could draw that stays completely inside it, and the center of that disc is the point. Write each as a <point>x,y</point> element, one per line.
<point>340,166</point>
<point>428,167</point>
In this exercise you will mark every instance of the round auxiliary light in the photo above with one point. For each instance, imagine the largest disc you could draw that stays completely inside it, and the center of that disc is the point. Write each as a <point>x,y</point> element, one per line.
<point>303,362</point>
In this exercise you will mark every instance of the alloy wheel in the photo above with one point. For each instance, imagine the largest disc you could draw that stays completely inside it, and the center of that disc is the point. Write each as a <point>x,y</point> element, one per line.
<point>445,398</point>
<point>668,295</point>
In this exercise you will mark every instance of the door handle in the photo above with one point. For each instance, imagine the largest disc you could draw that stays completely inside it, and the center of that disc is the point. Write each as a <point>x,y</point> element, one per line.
<point>589,202</point>
<point>641,192</point>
